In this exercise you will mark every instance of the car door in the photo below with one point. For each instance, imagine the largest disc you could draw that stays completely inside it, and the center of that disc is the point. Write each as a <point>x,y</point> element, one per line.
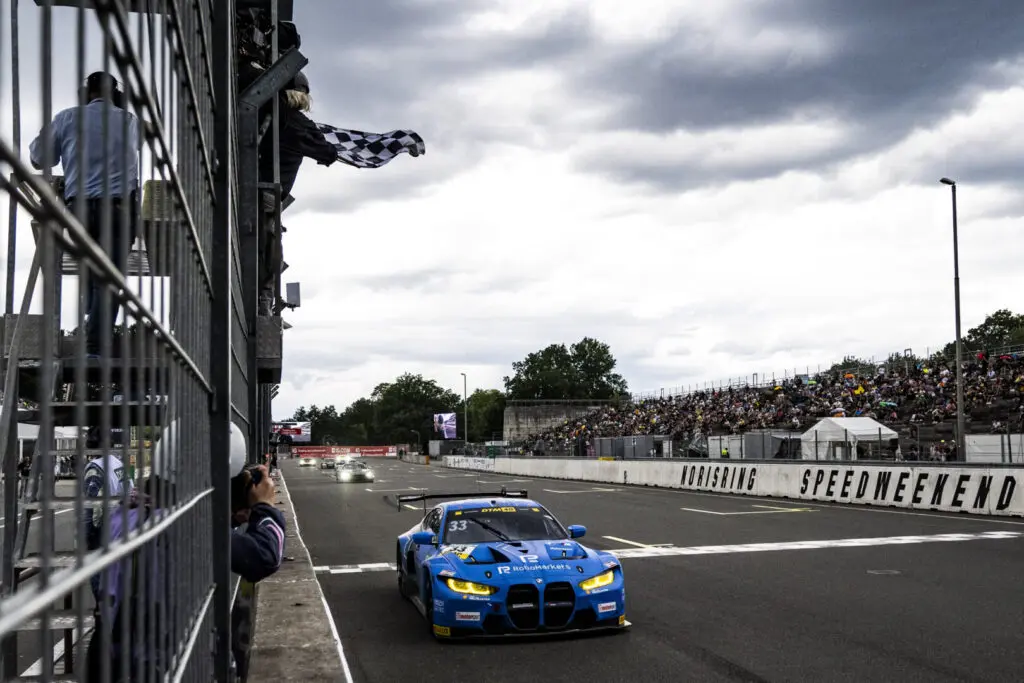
<point>431,523</point>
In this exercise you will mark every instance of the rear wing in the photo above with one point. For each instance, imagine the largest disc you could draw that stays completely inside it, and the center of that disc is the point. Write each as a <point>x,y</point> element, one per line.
<point>416,497</point>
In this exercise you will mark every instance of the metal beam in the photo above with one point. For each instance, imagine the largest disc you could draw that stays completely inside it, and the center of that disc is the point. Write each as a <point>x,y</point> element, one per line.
<point>271,81</point>
<point>285,8</point>
<point>139,6</point>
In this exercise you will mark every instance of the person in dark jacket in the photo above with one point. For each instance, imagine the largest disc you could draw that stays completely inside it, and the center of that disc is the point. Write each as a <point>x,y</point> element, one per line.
<point>256,553</point>
<point>299,136</point>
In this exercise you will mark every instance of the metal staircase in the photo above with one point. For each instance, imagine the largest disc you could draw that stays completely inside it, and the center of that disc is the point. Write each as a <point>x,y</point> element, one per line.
<point>46,367</point>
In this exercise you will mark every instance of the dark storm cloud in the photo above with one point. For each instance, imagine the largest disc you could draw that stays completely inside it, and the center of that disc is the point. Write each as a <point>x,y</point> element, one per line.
<point>893,66</point>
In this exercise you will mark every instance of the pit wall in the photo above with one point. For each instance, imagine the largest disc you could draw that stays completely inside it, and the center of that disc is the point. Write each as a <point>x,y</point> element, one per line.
<point>981,490</point>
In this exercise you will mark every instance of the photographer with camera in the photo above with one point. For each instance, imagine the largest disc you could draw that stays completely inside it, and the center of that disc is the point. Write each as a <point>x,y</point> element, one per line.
<point>256,553</point>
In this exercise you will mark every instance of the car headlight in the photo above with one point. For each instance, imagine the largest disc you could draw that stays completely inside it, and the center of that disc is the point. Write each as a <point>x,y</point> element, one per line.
<point>470,588</point>
<point>369,474</point>
<point>346,475</point>
<point>598,581</point>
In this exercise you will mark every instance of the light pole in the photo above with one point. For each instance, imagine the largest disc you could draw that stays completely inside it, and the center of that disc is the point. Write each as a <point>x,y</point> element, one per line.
<point>465,409</point>
<point>961,438</point>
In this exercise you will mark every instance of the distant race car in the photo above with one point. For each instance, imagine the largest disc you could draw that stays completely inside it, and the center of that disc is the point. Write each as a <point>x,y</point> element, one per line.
<point>307,462</point>
<point>503,565</point>
<point>327,463</point>
<point>353,470</point>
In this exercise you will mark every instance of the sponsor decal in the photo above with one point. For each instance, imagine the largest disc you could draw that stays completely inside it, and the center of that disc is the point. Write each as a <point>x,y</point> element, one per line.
<point>955,489</point>
<point>718,477</point>
<point>442,630</point>
<point>439,606</point>
<point>504,509</point>
<point>606,607</point>
<point>559,567</point>
<point>622,619</point>
<point>460,551</point>
<point>446,572</point>
<point>467,616</point>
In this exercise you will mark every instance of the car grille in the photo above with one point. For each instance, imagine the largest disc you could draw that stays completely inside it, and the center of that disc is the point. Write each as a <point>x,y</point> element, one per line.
<point>523,605</point>
<point>559,604</point>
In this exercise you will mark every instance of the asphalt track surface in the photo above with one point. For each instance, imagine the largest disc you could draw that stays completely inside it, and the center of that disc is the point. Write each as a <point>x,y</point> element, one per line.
<point>941,600</point>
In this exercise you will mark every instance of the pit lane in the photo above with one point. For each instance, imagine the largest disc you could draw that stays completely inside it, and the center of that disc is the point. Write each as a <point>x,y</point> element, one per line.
<point>719,588</point>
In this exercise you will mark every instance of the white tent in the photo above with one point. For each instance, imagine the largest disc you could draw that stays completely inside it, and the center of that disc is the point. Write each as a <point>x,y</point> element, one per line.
<point>836,438</point>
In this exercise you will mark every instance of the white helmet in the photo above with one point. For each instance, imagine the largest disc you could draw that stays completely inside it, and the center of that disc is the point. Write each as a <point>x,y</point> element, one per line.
<point>166,462</point>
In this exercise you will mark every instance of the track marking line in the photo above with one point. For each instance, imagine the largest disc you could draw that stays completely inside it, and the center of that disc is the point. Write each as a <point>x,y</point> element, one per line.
<point>36,516</point>
<point>639,545</point>
<point>667,550</point>
<point>771,511</point>
<point>593,490</point>
<point>323,599</point>
<point>938,514</point>
<point>814,545</point>
<point>58,652</point>
<point>935,514</point>
<point>408,488</point>
<point>501,481</point>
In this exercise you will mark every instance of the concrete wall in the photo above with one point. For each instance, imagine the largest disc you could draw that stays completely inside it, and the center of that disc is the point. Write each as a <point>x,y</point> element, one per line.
<point>994,490</point>
<point>523,420</point>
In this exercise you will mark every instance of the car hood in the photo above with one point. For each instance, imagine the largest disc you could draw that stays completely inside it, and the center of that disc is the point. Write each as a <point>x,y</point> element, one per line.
<point>529,557</point>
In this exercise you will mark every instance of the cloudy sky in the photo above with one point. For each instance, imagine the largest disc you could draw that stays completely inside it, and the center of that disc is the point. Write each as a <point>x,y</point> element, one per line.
<point>713,188</point>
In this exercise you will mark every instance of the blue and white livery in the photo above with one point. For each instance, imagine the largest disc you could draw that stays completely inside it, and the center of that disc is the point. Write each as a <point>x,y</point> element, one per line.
<point>503,565</point>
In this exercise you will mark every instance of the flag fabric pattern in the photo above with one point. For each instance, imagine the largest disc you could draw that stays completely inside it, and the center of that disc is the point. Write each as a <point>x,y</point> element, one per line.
<point>371,150</point>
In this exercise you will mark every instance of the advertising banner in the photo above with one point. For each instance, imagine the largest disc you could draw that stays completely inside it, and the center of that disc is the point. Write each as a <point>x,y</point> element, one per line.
<point>332,451</point>
<point>293,432</point>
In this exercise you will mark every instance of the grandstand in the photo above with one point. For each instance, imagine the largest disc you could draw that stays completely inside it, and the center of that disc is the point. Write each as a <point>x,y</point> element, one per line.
<point>916,398</point>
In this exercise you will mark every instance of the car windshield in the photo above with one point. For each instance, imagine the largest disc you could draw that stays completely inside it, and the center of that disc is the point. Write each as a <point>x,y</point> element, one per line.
<point>355,466</point>
<point>512,523</point>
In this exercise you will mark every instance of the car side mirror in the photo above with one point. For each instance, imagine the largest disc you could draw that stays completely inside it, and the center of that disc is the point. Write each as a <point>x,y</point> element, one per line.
<point>577,531</point>
<point>424,538</point>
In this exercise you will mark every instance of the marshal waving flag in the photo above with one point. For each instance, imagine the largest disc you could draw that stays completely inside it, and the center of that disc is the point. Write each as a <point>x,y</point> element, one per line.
<point>371,150</point>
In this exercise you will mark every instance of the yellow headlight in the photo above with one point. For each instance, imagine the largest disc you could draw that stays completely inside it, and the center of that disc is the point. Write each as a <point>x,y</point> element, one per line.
<point>471,588</point>
<point>598,581</point>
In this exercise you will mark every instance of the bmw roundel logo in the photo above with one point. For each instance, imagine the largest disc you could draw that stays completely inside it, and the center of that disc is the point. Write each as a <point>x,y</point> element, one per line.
<point>540,580</point>
<point>487,574</point>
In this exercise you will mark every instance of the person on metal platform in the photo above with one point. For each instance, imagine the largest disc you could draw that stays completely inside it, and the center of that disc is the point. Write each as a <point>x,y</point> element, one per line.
<point>105,163</point>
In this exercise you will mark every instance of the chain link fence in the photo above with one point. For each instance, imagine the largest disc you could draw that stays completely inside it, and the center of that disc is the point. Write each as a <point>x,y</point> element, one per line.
<point>129,339</point>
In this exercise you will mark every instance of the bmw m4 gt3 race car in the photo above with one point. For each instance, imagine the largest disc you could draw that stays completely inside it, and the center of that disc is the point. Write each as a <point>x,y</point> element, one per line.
<point>353,470</point>
<point>502,565</point>
<point>328,463</point>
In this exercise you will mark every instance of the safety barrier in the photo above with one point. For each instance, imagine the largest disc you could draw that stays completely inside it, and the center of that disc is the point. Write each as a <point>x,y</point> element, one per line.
<point>983,490</point>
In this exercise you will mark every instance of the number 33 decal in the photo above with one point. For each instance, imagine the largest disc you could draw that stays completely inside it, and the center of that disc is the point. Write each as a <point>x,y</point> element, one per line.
<point>457,525</point>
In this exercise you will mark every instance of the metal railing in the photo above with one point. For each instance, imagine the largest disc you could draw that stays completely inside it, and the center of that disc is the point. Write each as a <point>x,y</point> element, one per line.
<point>159,256</point>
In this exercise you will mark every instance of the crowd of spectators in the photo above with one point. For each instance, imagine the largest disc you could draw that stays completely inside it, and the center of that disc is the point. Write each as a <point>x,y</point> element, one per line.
<point>897,394</point>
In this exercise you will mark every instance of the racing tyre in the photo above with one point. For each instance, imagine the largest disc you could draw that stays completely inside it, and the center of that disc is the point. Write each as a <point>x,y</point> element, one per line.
<point>428,605</point>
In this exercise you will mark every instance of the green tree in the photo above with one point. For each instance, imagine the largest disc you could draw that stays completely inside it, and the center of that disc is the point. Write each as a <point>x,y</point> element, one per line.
<point>324,422</point>
<point>408,405</point>
<point>1000,329</point>
<point>585,370</point>
<point>486,414</point>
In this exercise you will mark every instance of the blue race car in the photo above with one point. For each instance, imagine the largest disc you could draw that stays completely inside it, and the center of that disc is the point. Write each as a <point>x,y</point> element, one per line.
<point>502,565</point>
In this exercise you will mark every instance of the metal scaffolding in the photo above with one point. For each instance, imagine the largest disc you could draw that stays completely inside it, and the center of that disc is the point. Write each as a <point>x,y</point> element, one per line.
<point>193,345</point>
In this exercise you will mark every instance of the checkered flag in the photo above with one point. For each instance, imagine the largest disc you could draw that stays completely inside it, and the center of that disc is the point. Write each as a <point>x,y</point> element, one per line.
<point>371,150</point>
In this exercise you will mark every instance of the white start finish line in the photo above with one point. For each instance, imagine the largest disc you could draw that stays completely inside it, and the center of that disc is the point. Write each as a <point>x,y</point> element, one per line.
<point>673,551</point>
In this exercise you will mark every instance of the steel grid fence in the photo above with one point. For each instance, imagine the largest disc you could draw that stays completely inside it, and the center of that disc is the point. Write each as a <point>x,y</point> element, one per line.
<point>136,394</point>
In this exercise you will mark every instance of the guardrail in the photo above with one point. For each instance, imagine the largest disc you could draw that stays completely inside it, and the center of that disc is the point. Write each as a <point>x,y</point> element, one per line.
<point>983,489</point>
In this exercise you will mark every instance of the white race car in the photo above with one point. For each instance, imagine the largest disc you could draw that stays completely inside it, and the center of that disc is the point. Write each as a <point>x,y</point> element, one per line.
<point>307,462</point>
<point>353,471</point>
